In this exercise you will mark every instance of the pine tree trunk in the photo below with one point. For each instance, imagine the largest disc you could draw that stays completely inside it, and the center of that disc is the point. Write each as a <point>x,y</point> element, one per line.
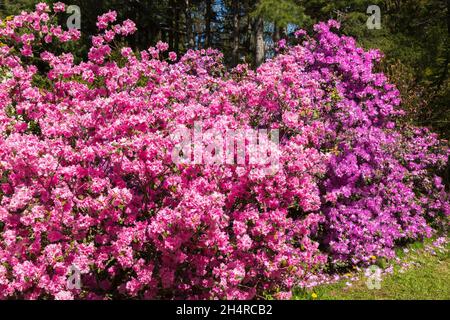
<point>259,41</point>
<point>170,23</point>
<point>236,27</point>
<point>189,31</point>
<point>208,21</point>
<point>247,49</point>
<point>277,33</point>
<point>177,26</point>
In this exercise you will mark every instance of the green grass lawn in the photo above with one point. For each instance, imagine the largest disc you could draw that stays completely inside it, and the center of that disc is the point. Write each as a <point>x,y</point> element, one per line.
<point>427,278</point>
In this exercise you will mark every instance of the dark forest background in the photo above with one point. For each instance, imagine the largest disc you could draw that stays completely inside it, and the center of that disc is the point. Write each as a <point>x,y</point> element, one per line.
<point>414,36</point>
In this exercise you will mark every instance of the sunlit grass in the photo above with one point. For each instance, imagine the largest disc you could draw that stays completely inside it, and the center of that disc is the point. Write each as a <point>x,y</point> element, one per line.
<point>427,277</point>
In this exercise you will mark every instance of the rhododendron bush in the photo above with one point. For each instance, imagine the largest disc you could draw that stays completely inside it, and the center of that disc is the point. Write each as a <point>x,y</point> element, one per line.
<point>88,178</point>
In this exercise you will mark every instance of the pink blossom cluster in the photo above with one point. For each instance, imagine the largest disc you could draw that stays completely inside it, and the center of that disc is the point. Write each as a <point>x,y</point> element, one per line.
<point>87,178</point>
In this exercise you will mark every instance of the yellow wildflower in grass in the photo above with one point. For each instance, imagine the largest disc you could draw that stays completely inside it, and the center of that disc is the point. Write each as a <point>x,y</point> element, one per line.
<point>373,257</point>
<point>314,295</point>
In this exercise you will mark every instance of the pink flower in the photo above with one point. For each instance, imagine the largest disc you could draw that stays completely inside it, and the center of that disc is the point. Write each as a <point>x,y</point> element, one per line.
<point>64,295</point>
<point>59,7</point>
<point>162,46</point>
<point>172,56</point>
<point>42,7</point>
<point>300,33</point>
<point>128,27</point>
<point>282,44</point>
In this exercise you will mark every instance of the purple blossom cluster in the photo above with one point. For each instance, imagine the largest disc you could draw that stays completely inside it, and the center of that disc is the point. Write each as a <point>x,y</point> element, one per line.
<point>87,178</point>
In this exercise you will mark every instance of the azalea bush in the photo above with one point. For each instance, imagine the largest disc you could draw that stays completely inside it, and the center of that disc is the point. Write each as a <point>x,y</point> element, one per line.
<point>88,178</point>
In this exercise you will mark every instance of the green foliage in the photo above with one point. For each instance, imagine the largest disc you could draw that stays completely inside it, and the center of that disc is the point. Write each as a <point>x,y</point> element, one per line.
<point>13,7</point>
<point>282,12</point>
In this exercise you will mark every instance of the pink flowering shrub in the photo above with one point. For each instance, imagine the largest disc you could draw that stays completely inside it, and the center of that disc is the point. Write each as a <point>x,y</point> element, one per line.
<point>88,179</point>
